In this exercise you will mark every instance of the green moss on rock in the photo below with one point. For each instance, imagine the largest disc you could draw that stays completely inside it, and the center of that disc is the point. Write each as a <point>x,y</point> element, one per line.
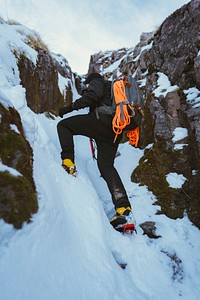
<point>18,199</point>
<point>15,149</point>
<point>152,170</point>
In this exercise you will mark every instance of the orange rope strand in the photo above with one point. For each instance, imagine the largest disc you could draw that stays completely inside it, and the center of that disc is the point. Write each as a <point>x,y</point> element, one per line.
<point>133,136</point>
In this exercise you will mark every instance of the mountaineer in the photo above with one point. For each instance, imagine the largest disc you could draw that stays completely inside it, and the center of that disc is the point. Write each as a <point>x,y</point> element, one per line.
<point>97,124</point>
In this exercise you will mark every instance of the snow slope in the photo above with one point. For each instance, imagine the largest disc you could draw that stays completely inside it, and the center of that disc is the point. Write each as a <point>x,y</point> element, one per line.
<point>69,250</point>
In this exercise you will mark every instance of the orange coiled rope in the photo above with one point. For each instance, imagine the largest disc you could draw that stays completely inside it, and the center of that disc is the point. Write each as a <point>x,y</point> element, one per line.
<point>122,117</point>
<point>133,136</point>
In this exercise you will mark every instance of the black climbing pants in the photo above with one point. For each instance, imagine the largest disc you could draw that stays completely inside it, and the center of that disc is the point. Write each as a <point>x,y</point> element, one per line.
<point>88,125</point>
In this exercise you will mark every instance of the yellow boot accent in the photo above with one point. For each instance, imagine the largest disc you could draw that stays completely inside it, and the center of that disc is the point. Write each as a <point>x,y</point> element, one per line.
<point>69,166</point>
<point>121,210</point>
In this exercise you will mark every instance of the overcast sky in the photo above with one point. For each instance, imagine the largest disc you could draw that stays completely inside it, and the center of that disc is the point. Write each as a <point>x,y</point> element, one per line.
<point>78,28</point>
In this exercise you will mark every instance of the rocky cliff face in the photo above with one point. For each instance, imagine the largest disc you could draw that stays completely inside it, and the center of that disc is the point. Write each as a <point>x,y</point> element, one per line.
<point>166,64</point>
<point>41,81</point>
<point>176,45</point>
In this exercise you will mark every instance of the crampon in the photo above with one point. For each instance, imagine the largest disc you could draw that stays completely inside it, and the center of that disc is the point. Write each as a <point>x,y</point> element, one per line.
<point>124,224</point>
<point>127,229</point>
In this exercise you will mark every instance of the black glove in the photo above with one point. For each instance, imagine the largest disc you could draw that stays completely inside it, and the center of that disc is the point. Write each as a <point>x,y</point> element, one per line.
<point>65,110</point>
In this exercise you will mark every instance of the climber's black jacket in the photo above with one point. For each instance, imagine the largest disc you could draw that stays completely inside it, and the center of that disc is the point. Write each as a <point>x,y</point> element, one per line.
<point>98,91</point>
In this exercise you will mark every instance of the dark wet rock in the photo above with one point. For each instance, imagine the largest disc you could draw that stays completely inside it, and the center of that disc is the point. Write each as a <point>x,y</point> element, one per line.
<point>149,229</point>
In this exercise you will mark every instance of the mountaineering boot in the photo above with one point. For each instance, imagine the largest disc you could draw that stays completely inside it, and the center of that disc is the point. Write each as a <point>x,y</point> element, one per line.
<point>69,166</point>
<point>123,221</point>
